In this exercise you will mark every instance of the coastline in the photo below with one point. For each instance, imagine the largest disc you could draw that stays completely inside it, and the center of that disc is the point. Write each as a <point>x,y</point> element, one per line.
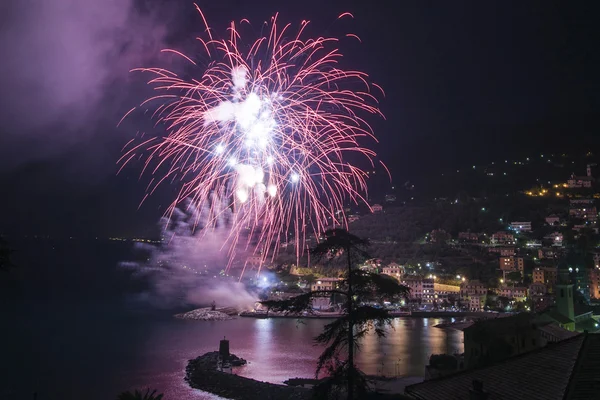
<point>414,314</point>
<point>201,373</point>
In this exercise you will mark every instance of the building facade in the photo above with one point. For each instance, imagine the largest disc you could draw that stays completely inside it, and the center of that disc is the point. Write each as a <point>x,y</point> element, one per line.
<point>473,293</point>
<point>449,293</point>
<point>421,290</point>
<point>516,293</point>
<point>595,283</point>
<point>394,270</point>
<point>502,237</point>
<point>580,181</point>
<point>545,275</point>
<point>511,263</point>
<point>499,338</point>
<point>323,302</point>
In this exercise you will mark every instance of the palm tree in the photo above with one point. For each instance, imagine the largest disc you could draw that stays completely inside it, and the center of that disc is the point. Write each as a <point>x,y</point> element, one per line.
<point>137,395</point>
<point>5,253</point>
<point>358,288</point>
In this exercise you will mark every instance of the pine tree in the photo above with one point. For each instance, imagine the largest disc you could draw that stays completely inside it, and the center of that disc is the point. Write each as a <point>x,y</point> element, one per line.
<point>360,290</point>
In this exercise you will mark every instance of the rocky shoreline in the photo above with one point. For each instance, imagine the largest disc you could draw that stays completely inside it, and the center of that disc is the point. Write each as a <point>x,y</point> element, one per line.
<point>202,373</point>
<point>207,314</point>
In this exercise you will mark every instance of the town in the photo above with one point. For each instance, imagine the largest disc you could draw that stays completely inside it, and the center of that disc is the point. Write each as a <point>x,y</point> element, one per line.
<point>483,260</point>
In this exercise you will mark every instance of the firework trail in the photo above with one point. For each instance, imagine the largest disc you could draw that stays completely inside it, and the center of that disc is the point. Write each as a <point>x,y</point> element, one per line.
<point>268,124</point>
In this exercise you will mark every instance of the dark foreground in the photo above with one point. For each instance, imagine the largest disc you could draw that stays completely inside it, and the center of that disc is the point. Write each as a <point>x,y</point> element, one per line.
<point>201,373</point>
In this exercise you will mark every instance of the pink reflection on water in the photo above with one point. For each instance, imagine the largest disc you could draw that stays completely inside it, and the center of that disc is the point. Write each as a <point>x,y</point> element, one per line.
<point>278,349</point>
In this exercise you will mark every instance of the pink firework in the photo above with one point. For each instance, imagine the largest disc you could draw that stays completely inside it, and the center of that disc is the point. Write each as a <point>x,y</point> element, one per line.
<point>268,126</point>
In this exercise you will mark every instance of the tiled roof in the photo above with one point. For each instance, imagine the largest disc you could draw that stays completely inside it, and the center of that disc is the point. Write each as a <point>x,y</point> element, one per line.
<point>557,332</point>
<point>541,374</point>
<point>509,323</point>
<point>585,380</point>
<point>558,317</point>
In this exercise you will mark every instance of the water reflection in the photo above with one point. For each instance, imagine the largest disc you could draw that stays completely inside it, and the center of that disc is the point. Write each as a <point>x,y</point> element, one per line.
<point>407,347</point>
<point>278,349</point>
<point>72,335</point>
<point>154,351</point>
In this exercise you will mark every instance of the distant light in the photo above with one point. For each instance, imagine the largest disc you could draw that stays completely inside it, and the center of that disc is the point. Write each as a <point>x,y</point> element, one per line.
<point>295,177</point>
<point>232,162</point>
<point>219,149</point>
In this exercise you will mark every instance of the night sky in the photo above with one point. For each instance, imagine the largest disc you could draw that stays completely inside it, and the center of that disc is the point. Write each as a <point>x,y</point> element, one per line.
<point>466,83</point>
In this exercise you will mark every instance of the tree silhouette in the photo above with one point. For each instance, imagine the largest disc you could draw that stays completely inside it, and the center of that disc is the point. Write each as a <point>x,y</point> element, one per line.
<point>360,289</point>
<point>5,253</point>
<point>137,395</point>
<point>514,276</point>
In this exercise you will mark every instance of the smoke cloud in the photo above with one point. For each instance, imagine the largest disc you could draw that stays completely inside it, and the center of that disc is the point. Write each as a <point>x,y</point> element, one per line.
<point>188,268</point>
<point>65,70</point>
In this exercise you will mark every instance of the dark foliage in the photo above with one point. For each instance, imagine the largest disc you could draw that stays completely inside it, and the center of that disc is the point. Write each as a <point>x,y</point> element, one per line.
<point>514,276</point>
<point>360,290</point>
<point>334,387</point>
<point>138,395</point>
<point>5,255</point>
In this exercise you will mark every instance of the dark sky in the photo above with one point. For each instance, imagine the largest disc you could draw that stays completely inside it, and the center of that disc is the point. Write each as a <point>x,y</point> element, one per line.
<point>466,82</point>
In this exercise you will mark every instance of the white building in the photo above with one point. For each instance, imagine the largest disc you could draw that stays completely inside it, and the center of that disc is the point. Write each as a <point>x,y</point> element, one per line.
<point>521,226</point>
<point>394,270</point>
<point>474,293</point>
<point>323,302</point>
<point>580,181</point>
<point>421,290</point>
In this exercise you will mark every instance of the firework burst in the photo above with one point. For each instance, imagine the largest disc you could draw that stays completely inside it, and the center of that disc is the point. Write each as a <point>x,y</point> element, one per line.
<point>267,125</point>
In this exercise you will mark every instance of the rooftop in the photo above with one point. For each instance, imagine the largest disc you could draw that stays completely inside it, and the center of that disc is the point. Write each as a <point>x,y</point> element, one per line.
<point>512,323</point>
<point>581,178</point>
<point>567,370</point>
<point>557,332</point>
